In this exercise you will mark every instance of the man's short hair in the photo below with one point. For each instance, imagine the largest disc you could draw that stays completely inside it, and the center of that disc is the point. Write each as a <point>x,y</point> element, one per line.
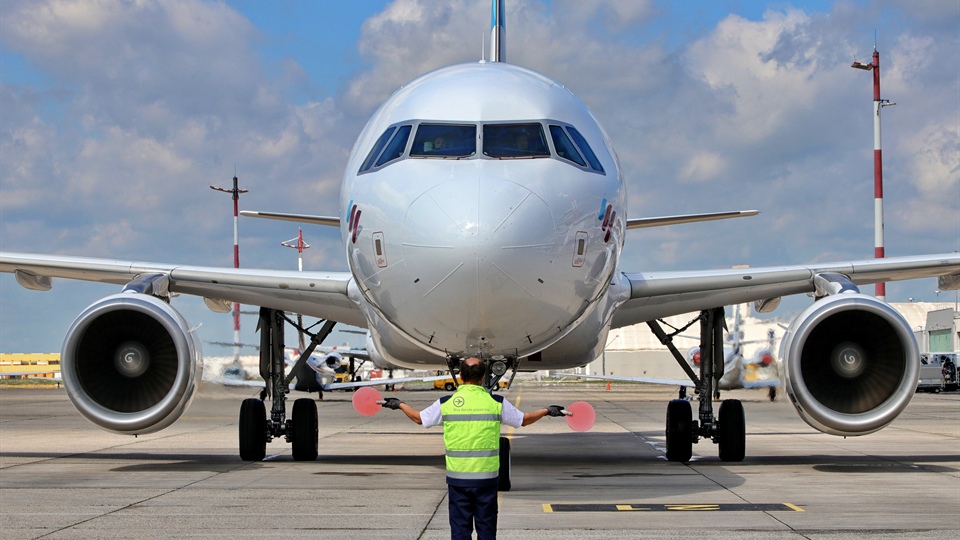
<point>473,372</point>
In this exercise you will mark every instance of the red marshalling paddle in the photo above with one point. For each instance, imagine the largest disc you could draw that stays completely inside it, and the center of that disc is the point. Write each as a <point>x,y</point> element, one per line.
<point>366,401</point>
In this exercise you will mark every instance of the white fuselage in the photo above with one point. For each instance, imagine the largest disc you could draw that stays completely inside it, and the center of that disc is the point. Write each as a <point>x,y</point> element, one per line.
<point>483,250</point>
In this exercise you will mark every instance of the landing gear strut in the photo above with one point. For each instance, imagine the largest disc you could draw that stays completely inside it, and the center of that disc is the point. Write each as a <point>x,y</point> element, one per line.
<point>497,368</point>
<point>301,430</point>
<point>728,429</point>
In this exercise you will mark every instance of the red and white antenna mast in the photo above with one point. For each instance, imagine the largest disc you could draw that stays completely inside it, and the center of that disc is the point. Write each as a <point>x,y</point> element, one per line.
<point>236,259</point>
<point>878,104</point>
<point>300,245</point>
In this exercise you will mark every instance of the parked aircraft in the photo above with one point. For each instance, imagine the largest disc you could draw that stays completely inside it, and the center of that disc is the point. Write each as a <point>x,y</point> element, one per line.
<point>759,370</point>
<point>483,212</point>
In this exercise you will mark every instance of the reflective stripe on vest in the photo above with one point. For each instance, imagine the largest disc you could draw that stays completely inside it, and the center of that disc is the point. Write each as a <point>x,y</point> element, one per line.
<point>473,453</point>
<point>471,433</point>
<point>470,417</point>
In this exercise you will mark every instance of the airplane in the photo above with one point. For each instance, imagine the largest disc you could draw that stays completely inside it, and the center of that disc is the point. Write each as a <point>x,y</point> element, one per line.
<point>483,212</point>
<point>316,374</point>
<point>760,370</point>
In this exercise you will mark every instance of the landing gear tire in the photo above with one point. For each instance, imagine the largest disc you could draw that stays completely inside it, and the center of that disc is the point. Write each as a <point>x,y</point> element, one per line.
<point>253,430</point>
<point>731,431</point>
<point>679,430</point>
<point>305,433</point>
<point>505,465</point>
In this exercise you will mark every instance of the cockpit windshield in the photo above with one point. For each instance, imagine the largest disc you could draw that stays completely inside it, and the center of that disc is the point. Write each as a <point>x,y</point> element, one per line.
<point>433,140</point>
<point>445,140</point>
<point>514,141</point>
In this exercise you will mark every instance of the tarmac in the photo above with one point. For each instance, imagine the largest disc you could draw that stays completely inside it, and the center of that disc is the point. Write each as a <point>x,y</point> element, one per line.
<point>383,476</point>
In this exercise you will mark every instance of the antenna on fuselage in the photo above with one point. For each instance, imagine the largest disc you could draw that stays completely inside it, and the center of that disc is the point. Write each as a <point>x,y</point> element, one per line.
<point>498,32</point>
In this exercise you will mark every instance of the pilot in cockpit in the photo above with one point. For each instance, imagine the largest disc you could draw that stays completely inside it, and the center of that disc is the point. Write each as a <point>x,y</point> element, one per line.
<point>436,146</point>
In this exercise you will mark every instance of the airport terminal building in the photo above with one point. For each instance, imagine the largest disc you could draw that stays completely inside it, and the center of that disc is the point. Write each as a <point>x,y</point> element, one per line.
<point>634,351</point>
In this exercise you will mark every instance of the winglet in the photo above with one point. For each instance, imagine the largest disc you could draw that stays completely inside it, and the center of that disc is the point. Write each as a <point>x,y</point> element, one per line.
<point>498,32</point>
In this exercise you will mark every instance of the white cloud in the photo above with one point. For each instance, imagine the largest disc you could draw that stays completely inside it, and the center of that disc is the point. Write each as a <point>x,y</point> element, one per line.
<point>703,167</point>
<point>935,161</point>
<point>144,103</point>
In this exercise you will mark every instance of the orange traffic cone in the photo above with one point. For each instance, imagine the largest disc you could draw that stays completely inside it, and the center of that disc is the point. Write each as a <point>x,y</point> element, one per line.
<point>608,385</point>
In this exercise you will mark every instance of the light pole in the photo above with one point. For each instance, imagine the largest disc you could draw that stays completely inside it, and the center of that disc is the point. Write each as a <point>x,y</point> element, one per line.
<point>603,355</point>
<point>881,290</point>
<point>236,260</point>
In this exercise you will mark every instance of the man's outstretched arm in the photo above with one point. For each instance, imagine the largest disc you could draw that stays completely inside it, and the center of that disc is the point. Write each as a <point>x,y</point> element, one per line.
<point>396,404</point>
<point>411,413</point>
<point>533,416</point>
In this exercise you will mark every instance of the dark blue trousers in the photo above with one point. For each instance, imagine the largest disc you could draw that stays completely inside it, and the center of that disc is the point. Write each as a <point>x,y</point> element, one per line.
<point>469,506</point>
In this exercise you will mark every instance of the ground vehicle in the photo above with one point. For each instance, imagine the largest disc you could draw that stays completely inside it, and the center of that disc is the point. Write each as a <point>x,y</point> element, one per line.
<point>931,373</point>
<point>948,369</point>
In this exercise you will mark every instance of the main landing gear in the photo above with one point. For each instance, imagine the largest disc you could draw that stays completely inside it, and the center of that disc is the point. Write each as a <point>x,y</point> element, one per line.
<point>301,430</point>
<point>728,428</point>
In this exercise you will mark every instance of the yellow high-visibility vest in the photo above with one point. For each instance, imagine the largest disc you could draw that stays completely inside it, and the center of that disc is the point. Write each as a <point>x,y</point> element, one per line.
<point>471,435</point>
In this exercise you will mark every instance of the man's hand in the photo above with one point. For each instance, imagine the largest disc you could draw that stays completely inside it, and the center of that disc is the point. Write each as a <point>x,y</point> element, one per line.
<point>553,410</point>
<point>392,403</point>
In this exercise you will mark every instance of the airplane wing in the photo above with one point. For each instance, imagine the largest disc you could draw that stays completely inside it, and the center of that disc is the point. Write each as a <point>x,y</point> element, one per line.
<point>649,380</point>
<point>767,383</point>
<point>660,294</point>
<point>296,218</point>
<point>331,386</point>
<point>377,382</point>
<point>316,294</point>
<point>643,223</point>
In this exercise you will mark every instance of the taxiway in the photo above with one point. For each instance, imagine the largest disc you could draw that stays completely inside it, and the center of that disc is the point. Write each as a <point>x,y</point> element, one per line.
<point>382,476</point>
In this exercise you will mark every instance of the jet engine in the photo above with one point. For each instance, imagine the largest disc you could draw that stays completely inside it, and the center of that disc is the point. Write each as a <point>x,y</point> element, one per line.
<point>131,364</point>
<point>328,365</point>
<point>851,364</point>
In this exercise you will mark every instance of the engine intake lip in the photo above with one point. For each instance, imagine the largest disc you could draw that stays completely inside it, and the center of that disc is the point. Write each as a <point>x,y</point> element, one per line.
<point>851,364</point>
<point>131,397</point>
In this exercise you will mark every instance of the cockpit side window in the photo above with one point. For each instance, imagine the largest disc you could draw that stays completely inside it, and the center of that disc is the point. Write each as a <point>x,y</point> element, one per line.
<point>585,149</point>
<point>396,147</point>
<point>445,141</point>
<point>565,147</point>
<point>514,141</point>
<point>377,148</point>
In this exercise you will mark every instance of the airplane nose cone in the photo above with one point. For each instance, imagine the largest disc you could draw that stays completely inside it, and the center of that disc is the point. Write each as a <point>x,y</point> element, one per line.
<point>479,254</point>
<point>473,218</point>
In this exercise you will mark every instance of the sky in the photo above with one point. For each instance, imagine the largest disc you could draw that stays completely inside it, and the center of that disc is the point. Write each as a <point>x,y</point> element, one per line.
<point>116,116</point>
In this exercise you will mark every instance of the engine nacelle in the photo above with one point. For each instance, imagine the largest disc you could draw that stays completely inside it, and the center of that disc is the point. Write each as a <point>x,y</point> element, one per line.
<point>851,364</point>
<point>131,364</point>
<point>326,365</point>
